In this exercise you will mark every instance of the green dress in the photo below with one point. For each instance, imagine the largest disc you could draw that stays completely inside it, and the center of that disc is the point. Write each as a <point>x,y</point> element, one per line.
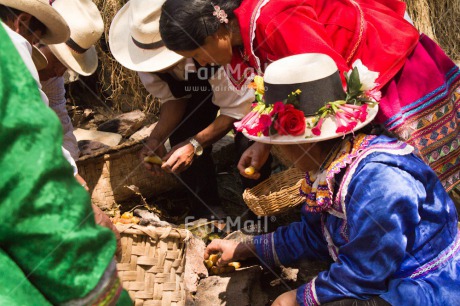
<point>51,250</point>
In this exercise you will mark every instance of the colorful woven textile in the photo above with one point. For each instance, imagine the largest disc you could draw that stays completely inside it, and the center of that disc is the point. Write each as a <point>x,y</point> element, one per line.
<point>426,115</point>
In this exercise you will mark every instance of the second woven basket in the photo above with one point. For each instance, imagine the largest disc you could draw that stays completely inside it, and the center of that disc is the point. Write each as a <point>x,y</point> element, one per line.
<point>152,264</point>
<point>277,194</point>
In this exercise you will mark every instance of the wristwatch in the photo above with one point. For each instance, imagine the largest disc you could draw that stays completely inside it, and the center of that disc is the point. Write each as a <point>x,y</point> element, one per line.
<point>197,148</point>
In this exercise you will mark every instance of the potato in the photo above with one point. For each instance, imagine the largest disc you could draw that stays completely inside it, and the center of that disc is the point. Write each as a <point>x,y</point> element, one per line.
<point>219,270</point>
<point>208,263</point>
<point>127,215</point>
<point>135,220</point>
<point>235,264</point>
<point>249,170</point>
<point>154,159</point>
<point>214,258</point>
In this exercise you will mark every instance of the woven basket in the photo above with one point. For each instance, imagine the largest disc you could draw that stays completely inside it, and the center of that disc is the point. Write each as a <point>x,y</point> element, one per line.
<point>277,194</point>
<point>152,264</point>
<point>108,171</point>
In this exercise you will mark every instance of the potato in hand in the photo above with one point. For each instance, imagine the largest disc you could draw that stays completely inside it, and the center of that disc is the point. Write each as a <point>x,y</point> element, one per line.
<point>249,170</point>
<point>154,159</point>
<point>211,262</point>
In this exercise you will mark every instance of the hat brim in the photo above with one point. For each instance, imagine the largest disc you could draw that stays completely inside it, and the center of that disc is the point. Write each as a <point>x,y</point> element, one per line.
<point>39,59</point>
<point>327,131</point>
<point>84,64</point>
<point>57,30</point>
<point>132,57</point>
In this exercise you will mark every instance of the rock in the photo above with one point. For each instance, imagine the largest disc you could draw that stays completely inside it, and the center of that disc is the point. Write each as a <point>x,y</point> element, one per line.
<point>87,147</point>
<point>150,218</point>
<point>124,124</point>
<point>143,132</point>
<point>308,269</point>
<point>194,269</point>
<point>238,288</point>
<point>109,139</point>
<point>287,275</point>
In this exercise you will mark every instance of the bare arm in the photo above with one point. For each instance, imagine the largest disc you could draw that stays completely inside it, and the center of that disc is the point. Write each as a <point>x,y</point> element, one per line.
<point>181,156</point>
<point>171,113</point>
<point>215,131</point>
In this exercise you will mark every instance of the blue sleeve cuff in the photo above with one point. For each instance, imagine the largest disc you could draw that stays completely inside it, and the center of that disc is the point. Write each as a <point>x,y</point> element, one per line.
<point>306,294</point>
<point>265,249</point>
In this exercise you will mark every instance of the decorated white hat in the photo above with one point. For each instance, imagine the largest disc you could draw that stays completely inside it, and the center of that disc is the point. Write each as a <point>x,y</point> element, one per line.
<point>86,27</point>
<point>301,99</point>
<point>57,30</point>
<point>134,37</point>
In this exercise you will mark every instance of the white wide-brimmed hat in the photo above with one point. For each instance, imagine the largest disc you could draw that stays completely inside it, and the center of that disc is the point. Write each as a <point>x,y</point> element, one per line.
<point>86,27</point>
<point>317,96</point>
<point>57,30</point>
<point>39,59</point>
<point>134,37</point>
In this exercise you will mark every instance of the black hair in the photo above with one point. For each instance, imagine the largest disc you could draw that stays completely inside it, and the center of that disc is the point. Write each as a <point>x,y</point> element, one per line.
<point>185,24</point>
<point>37,25</point>
<point>9,14</point>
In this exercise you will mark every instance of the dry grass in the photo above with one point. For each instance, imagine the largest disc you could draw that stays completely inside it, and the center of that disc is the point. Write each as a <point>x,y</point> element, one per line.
<point>439,19</point>
<point>119,84</point>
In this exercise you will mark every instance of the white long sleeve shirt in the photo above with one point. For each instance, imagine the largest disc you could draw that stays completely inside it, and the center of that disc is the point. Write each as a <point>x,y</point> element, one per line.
<point>55,91</point>
<point>231,101</point>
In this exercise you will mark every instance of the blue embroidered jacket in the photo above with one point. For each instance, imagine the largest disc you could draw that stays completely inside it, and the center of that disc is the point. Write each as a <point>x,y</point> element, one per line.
<point>391,231</point>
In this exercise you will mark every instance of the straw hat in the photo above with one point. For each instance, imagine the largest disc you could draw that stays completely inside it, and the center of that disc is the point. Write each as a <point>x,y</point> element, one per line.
<point>134,37</point>
<point>86,27</point>
<point>39,59</point>
<point>317,77</point>
<point>57,30</point>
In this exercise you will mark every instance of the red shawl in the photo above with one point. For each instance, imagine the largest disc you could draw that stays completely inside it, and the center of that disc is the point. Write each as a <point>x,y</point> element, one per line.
<point>371,30</point>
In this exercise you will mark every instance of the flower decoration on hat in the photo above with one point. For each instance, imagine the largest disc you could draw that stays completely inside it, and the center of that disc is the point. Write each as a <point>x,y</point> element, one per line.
<point>285,118</point>
<point>220,14</point>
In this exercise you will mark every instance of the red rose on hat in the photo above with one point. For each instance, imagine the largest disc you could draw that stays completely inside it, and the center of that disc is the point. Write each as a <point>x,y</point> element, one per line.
<point>290,121</point>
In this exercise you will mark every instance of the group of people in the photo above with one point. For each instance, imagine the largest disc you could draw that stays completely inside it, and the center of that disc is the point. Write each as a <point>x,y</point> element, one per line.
<point>377,174</point>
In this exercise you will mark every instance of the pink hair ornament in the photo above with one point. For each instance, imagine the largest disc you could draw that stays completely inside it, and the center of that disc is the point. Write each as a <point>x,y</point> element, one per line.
<point>220,14</point>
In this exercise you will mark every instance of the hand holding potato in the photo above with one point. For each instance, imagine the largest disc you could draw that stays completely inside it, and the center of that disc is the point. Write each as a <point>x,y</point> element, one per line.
<point>230,250</point>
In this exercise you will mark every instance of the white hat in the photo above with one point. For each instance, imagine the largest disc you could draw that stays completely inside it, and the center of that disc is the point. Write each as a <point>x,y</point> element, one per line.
<point>134,37</point>
<point>57,30</point>
<point>86,27</point>
<point>39,59</point>
<point>317,77</point>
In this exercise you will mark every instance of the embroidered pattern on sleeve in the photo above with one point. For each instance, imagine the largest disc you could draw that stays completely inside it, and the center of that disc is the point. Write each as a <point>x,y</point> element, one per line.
<point>310,297</point>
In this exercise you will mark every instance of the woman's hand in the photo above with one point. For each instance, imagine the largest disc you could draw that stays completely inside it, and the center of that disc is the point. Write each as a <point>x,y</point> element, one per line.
<point>230,250</point>
<point>179,158</point>
<point>286,299</point>
<point>152,146</point>
<point>255,156</point>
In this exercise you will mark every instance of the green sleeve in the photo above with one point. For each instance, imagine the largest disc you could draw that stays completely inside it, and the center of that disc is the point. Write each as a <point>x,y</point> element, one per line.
<point>47,226</point>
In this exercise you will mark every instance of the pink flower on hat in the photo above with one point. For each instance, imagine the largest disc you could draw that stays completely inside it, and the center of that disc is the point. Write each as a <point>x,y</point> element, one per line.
<point>317,129</point>
<point>344,124</point>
